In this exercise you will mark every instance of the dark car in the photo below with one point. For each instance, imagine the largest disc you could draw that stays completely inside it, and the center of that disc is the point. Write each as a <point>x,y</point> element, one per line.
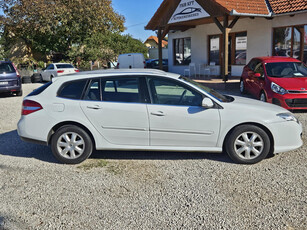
<point>10,80</point>
<point>154,64</point>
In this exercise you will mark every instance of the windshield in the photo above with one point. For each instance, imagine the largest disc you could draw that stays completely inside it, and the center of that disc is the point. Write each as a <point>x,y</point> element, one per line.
<point>286,69</point>
<point>212,92</point>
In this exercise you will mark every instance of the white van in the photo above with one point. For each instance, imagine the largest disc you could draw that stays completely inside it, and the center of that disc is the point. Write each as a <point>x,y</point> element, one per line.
<point>131,60</point>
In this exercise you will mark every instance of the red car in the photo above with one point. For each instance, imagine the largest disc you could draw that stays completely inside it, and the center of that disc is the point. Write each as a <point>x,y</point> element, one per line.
<point>278,80</point>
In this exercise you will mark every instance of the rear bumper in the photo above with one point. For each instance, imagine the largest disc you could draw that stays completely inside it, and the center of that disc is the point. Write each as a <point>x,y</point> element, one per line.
<point>6,89</point>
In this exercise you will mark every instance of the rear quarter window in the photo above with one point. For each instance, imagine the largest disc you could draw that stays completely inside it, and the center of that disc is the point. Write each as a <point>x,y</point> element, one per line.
<point>40,89</point>
<point>72,89</point>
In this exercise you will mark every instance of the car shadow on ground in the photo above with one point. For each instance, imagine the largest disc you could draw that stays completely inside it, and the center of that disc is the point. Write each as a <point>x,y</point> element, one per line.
<point>12,145</point>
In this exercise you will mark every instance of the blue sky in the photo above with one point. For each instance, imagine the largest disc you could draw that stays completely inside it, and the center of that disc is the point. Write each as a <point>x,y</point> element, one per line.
<point>137,14</point>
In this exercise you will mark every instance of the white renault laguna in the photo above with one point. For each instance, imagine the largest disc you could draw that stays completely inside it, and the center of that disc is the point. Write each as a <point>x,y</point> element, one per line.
<point>151,110</point>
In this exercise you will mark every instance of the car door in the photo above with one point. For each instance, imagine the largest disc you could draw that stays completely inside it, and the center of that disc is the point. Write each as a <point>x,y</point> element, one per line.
<point>176,117</point>
<point>258,82</point>
<point>48,72</point>
<point>116,108</point>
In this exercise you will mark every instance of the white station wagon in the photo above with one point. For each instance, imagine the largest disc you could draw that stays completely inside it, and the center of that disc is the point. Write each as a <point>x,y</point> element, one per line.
<point>151,110</point>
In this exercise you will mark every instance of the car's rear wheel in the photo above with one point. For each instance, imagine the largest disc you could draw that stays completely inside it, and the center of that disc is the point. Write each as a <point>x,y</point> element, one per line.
<point>247,144</point>
<point>71,144</point>
<point>19,93</point>
<point>242,87</point>
<point>262,97</point>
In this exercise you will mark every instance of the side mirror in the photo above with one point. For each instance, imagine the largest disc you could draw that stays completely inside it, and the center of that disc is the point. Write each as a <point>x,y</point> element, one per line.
<point>43,69</point>
<point>207,103</point>
<point>257,75</point>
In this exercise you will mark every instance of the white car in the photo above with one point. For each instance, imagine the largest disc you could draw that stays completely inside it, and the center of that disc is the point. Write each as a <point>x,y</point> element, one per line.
<point>57,69</point>
<point>151,110</point>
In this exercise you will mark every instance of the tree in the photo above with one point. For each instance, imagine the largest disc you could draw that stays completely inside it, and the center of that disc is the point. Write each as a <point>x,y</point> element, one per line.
<point>107,46</point>
<point>57,25</point>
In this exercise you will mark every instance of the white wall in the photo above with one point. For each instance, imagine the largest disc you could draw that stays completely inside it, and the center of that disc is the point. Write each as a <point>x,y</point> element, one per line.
<point>259,39</point>
<point>153,53</point>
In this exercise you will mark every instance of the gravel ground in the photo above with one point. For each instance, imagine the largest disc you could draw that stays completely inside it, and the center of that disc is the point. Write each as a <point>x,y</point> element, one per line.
<point>145,190</point>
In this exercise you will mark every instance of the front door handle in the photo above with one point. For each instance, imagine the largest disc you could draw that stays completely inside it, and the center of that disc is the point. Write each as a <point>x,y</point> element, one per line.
<point>94,107</point>
<point>158,113</point>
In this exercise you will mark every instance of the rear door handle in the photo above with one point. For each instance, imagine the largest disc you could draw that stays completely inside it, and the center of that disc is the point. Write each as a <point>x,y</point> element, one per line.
<point>158,113</point>
<point>94,107</point>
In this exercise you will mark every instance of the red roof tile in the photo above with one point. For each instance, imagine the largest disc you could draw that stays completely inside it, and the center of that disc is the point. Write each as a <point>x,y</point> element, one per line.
<point>155,38</point>
<point>285,6</point>
<point>245,6</point>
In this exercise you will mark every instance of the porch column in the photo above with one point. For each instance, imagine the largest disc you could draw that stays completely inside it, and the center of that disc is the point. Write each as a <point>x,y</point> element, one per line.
<point>225,49</point>
<point>160,48</point>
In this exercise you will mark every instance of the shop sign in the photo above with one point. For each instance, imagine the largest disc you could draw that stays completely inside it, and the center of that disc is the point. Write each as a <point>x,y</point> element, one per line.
<point>241,43</point>
<point>188,10</point>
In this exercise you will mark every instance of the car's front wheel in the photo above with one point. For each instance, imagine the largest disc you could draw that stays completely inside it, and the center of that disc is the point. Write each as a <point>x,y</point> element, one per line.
<point>242,87</point>
<point>262,97</point>
<point>247,144</point>
<point>71,144</point>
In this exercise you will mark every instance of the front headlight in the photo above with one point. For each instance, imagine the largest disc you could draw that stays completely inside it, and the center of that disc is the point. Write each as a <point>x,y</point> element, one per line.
<point>287,117</point>
<point>278,89</point>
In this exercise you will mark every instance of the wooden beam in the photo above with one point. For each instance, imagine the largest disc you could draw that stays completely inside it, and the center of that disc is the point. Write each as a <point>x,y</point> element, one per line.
<point>160,48</point>
<point>234,21</point>
<point>217,22</point>
<point>165,31</point>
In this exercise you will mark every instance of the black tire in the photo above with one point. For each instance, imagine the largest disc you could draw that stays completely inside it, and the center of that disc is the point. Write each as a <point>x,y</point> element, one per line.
<point>82,141</point>
<point>242,87</point>
<point>262,97</point>
<point>26,79</point>
<point>35,78</point>
<point>19,93</point>
<point>252,151</point>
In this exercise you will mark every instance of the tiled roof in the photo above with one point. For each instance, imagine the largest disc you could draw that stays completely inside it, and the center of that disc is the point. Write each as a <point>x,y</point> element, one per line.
<point>285,6</point>
<point>245,6</point>
<point>164,43</point>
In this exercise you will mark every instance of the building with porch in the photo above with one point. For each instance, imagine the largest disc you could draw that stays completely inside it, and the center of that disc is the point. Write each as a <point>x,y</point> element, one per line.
<point>228,33</point>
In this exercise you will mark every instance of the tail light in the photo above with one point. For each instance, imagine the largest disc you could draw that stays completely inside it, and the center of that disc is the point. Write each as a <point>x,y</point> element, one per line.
<point>144,64</point>
<point>76,70</point>
<point>17,73</point>
<point>60,71</point>
<point>29,106</point>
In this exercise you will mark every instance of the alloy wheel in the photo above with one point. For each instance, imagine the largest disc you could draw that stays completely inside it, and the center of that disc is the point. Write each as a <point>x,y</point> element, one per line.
<point>70,145</point>
<point>248,145</point>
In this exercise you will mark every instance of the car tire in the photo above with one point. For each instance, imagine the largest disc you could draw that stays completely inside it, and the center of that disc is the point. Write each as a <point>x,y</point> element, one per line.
<point>247,144</point>
<point>262,97</point>
<point>71,144</point>
<point>242,87</point>
<point>19,93</point>
<point>26,79</point>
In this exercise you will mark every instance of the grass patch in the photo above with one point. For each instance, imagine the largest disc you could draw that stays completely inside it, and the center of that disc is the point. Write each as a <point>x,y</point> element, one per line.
<point>90,164</point>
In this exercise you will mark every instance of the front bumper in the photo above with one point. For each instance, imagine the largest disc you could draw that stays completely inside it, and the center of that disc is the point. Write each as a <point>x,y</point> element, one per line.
<point>287,135</point>
<point>289,101</point>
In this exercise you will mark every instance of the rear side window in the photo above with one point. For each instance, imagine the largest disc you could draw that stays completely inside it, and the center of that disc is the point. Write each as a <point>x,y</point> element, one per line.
<point>6,68</point>
<point>40,89</point>
<point>121,90</point>
<point>72,90</point>
<point>64,66</point>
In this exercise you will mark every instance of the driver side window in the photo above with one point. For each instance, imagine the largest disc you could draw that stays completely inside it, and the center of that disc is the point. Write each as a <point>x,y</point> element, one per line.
<point>259,69</point>
<point>167,92</point>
